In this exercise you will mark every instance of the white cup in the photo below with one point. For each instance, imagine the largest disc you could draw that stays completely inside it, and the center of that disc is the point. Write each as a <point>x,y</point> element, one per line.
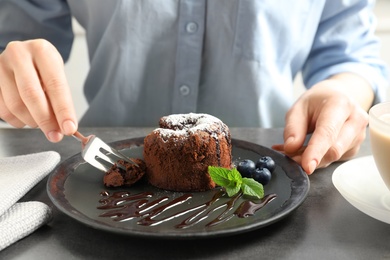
<point>379,128</point>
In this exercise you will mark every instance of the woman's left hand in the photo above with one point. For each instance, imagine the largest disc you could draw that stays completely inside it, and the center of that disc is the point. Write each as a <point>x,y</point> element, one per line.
<point>336,121</point>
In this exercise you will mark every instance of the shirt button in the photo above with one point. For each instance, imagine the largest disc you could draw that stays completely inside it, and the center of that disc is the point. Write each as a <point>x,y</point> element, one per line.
<point>191,27</point>
<point>184,90</point>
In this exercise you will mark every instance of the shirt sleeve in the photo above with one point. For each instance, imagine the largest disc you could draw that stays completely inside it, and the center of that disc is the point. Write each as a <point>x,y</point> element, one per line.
<point>32,19</point>
<point>345,42</point>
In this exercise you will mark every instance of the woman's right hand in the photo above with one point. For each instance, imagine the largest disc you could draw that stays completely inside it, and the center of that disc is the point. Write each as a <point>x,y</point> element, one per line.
<point>34,90</point>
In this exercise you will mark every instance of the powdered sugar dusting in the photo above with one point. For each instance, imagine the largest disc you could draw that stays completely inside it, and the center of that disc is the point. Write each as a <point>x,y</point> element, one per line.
<point>185,124</point>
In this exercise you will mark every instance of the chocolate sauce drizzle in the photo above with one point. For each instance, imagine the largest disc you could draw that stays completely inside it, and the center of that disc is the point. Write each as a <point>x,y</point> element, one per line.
<point>123,206</point>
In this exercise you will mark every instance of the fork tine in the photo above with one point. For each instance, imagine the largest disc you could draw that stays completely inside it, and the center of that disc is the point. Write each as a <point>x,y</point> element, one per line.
<point>101,166</point>
<point>98,164</point>
<point>90,157</point>
<point>115,152</point>
<point>105,157</point>
<point>96,158</point>
<point>92,152</point>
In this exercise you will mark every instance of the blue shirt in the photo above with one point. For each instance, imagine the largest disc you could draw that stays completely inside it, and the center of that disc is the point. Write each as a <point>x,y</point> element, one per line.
<point>234,59</point>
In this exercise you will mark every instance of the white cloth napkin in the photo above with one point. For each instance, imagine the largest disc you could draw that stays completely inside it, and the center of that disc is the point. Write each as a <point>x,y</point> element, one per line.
<point>18,174</point>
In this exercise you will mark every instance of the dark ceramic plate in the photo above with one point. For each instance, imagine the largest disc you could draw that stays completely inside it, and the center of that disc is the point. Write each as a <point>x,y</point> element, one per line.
<point>76,189</point>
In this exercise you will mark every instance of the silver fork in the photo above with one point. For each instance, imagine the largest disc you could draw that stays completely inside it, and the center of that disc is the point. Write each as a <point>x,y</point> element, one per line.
<point>95,151</point>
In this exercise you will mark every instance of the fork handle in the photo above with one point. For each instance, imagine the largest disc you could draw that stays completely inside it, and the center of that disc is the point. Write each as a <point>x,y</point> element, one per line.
<point>84,140</point>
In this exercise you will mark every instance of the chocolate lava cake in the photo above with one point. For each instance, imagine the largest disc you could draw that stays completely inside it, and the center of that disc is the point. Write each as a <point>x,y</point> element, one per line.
<point>177,154</point>
<point>117,176</point>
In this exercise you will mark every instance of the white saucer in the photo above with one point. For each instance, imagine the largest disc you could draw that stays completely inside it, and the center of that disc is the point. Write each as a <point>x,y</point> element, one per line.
<point>359,182</point>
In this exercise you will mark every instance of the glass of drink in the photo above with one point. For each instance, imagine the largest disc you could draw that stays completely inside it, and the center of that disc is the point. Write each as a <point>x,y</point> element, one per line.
<point>379,128</point>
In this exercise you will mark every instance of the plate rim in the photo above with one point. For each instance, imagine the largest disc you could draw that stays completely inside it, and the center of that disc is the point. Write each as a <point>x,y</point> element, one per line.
<point>299,192</point>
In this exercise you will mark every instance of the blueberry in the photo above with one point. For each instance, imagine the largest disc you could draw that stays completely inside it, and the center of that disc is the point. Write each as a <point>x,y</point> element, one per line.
<point>262,175</point>
<point>246,167</point>
<point>266,162</point>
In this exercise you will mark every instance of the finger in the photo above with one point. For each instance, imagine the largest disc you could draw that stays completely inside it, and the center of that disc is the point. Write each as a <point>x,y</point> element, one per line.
<point>16,105</point>
<point>326,132</point>
<point>13,105</point>
<point>7,116</point>
<point>34,99</point>
<point>296,127</point>
<point>25,89</point>
<point>296,156</point>
<point>348,141</point>
<point>278,147</point>
<point>57,91</point>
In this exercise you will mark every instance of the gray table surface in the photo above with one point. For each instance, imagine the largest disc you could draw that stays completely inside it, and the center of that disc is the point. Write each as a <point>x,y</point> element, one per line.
<point>325,226</point>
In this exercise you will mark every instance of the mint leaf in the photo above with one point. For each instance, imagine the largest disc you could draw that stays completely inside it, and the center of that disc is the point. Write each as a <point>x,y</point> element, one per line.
<point>233,182</point>
<point>234,187</point>
<point>220,176</point>
<point>252,188</point>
